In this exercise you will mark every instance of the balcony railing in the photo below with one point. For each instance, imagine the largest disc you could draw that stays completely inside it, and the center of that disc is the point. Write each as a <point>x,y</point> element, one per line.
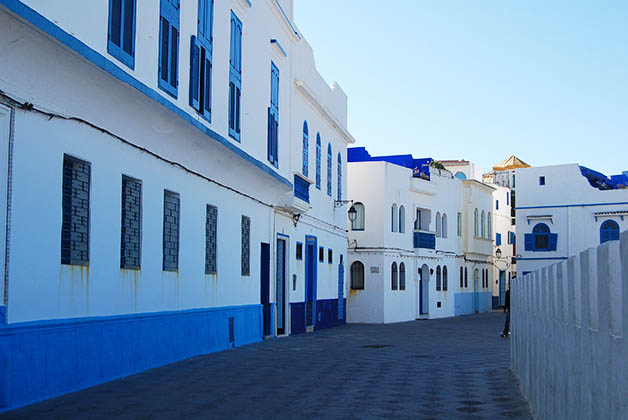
<point>424,240</point>
<point>301,189</point>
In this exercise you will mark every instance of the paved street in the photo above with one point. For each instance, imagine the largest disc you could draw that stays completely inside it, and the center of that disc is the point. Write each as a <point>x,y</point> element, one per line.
<point>438,369</point>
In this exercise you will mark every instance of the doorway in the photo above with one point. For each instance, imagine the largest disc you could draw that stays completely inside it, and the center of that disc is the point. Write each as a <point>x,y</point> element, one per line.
<point>341,289</point>
<point>265,286</point>
<point>502,288</point>
<point>424,290</point>
<point>280,286</point>
<point>311,265</point>
<point>476,300</point>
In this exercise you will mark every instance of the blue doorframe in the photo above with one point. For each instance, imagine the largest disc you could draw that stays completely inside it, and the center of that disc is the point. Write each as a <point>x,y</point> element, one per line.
<point>424,291</point>
<point>311,272</point>
<point>502,288</point>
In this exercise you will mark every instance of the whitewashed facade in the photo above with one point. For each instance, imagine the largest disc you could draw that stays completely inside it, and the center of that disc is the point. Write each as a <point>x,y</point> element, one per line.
<point>413,215</point>
<point>563,210</point>
<point>153,213</point>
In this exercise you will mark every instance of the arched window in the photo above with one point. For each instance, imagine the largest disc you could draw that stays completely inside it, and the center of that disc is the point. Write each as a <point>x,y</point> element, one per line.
<point>438,278</point>
<point>357,276</point>
<point>483,224</point>
<point>460,175</point>
<point>438,225</point>
<point>444,226</point>
<point>461,277</point>
<point>339,177</point>
<point>489,226</point>
<point>466,278</point>
<point>395,279</point>
<point>306,137</point>
<point>318,161</point>
<point>393,215</point>
<point>402,219</point>
<point>609,231</point>
<point>358,223</point>
<point>445,285</point>
<point>541,234</point>
<point>402,276</point>
<point>475,223</point>
<point>329,169</point>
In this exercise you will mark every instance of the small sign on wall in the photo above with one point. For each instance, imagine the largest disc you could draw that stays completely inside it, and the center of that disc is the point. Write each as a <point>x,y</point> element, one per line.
<point>374,270</point>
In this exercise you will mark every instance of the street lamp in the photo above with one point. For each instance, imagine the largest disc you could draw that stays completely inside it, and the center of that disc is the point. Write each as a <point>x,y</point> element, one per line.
<point>353,213</point>
<point>498,253</point>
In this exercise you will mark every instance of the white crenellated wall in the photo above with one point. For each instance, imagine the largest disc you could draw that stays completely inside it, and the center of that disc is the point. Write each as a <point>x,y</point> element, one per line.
<point>569,329</point>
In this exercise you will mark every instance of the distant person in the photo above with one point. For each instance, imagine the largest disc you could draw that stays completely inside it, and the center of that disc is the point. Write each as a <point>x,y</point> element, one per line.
<point>507,312</point>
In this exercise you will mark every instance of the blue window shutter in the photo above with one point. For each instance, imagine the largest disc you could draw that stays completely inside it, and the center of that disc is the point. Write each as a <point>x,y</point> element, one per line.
<point>318,161</point>
<point>529,242</point>
<point>201,21</point>
<point>235,77</point>
<point>329,170</point>
<point>273,115</point>
<point>305,153</point>
<point>168,72</point>
<point>507,198</point>
<point>339,177</point>
<point>553,241</point>
<point>195,74</point>
<point>498,239</point>
<point>121,36</point>
<point>206,90</point>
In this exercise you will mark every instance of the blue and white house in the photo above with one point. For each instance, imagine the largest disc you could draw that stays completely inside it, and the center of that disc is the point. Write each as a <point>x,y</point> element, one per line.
<point>563,210</point>
<point>412,251</point>
<point>167,193</point>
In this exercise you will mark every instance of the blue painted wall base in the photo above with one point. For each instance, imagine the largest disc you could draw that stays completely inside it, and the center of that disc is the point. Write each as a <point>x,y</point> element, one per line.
<point>463,303</point>
<point>326,315</point>
<point>40,360</point>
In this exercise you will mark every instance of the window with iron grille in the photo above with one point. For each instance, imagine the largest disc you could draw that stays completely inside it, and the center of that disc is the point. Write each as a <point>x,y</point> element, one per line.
<point>131,225</point>
<point>246,246</point>
<point>171,231</point>
<point>357,276</point>
<point>321,254</point>
<point>75,204</point>
<point>211,226</point>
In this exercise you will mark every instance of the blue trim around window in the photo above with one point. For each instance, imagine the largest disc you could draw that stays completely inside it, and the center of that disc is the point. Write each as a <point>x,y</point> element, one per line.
<point>541,180</point>
<point>541,239</point>
<point>168,44</point>
<point>498,239</point>
<point>100,61</point>
<point>121,31</point>
<point>301,189</point>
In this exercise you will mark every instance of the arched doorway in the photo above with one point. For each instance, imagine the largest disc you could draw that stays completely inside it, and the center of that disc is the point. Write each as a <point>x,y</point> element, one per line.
<point>476,300</point>
<point>424,290</point>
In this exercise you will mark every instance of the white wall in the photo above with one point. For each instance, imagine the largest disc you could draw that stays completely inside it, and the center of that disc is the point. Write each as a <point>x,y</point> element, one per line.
<point>567,203</point>
<point>569,329</point>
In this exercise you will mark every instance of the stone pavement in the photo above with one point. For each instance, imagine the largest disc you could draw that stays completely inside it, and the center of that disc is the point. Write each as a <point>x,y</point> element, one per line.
<point>455,368</point>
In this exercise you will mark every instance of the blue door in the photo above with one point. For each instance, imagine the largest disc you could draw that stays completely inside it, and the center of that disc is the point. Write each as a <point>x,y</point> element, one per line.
<point>265,285</point>
<point>280,286</point>
<point>424,290</point>
<point>502,288</point>
<point>341,291</point>
<point>476,300</point>
<point>311,263</point>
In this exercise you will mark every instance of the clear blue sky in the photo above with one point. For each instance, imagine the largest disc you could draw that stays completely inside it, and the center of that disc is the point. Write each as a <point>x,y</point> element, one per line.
<point>545,80</point>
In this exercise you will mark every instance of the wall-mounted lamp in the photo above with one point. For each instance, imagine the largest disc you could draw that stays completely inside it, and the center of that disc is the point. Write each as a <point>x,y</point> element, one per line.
<point>352,213</point>
<point>295,218</point>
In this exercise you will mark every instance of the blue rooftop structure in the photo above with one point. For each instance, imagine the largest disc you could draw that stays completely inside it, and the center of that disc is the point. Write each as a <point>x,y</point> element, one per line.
<point>602,182</point>
<point>420,167</point>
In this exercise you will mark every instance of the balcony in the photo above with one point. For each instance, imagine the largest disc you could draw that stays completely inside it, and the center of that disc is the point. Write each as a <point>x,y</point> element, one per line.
<point>425,240</point>
<point>297,201</point>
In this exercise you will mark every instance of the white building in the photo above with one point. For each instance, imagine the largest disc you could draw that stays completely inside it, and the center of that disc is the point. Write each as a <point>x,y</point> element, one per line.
<point>503,178</point>
<point>157,204</point>
<point>406,246</point>
<point>463,169</point>
<point>565,209</point>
